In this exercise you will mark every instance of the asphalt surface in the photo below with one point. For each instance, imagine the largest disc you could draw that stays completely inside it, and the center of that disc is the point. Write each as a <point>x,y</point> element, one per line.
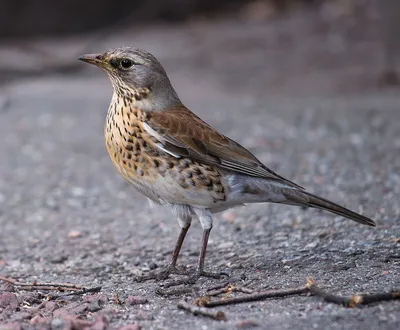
<point>308,104</point>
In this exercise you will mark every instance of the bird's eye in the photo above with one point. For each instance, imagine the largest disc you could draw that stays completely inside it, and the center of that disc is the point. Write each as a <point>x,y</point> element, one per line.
<point>126,63</point>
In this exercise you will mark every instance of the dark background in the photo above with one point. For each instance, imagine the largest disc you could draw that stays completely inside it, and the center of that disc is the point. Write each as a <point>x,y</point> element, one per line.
<point>46,17</point>
<point>24,23</point>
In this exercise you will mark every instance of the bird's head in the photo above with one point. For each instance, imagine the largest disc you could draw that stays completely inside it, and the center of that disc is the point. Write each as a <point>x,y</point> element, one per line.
<point>136,74</point>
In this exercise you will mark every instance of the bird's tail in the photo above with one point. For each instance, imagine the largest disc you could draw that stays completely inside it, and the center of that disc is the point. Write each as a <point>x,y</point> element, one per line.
<point>301,197</point>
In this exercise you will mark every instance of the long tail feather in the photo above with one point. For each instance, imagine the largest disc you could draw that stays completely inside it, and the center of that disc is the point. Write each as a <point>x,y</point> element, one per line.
<point>301,197</point>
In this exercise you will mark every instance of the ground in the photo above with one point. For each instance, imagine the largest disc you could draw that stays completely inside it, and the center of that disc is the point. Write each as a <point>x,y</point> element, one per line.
<point>307,100</point>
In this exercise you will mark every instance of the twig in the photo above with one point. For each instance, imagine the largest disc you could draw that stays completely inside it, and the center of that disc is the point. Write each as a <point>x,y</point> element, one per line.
<point>242,289</point>
<point>217,292</point>
<point>75,293</point>
<point>229,289</point>
<point>48,286</point>
<point>177,291</point>
<point>218,286</point>
<point>252,297</point>
<point>352,301</point>
<point>197,310</point>
<point>311,286</point>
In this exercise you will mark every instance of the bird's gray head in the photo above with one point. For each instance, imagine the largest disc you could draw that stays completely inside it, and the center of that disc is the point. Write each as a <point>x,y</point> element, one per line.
<point>137,75</point>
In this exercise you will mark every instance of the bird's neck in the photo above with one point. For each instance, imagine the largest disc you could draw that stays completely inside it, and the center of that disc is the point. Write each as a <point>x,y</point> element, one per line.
<point>137,104</point>
<point>149,99</point>
<point>130,96</point>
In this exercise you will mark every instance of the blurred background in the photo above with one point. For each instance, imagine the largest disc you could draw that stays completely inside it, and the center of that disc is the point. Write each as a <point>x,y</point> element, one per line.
<point>43,36</point>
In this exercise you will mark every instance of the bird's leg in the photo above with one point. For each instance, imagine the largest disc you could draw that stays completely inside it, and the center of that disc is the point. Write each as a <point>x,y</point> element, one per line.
<point>171,268</point>
<point>200,265</point>
<point>199,272</point>
<point>202,257</point>
<point>206,223</point>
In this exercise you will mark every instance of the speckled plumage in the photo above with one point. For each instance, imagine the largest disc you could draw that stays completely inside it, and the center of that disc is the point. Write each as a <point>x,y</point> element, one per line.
<point>135,154</point>
<point>176,159</point>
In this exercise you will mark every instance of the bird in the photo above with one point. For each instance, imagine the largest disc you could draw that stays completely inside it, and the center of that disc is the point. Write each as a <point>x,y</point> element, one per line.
<point>177,160</point>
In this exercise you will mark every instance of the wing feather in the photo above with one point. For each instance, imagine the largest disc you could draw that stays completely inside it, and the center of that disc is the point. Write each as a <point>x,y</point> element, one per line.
<point>183,134</point>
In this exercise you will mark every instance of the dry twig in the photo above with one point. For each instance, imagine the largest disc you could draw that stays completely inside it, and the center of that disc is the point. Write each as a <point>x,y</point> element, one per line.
<point>218,286</point>
<point>197,310</point>
<point>198,307</point>
<point>78,289</point>
<point>252,297</point>
<point>229,288</point>
<point>75,293</point>
<point>311,286</point>
<point>177,291</point>
<point>352,301</point>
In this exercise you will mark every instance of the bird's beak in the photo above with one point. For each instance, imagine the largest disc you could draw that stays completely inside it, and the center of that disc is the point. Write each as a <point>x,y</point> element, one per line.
<point>95,59</point>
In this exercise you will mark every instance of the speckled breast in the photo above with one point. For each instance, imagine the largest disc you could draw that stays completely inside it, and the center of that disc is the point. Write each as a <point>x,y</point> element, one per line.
<point>156,174</point>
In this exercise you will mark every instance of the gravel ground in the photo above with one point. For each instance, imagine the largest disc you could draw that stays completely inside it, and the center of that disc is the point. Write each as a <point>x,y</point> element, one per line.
<point>307,103</point>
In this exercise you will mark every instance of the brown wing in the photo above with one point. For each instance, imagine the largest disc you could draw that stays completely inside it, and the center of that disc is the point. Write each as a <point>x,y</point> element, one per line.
<point>184,134</point>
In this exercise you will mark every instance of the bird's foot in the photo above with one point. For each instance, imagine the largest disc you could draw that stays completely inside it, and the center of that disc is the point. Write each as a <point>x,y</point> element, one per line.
<point>192,279</point>
<point>161,274</point>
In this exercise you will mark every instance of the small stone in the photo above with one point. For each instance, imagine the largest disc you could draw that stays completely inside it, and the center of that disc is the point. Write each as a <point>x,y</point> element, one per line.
<point>8,301</point>
<point>144,316</point>
<point>50,306</point>
<point>10,326</point>
<point>100,323</point>
<point>94,306</point>
<point>21,316</point>
<point>311,245</point>
<point>77,323</point>
<point>98,297</point>
<point>136,300</point>
<point>40,320</point>
<point>58,324</point>
<point>246,324</point>
<point>59,259</point>
<point>78,309</point>
<point>61,313</point>
<point>152,265</point>
<point>78,192</point>
<point>74,234</point>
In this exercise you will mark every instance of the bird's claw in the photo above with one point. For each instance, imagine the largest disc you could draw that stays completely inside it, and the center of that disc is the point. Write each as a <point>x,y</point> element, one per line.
<point>192,279</point>
<point>160,275</point>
